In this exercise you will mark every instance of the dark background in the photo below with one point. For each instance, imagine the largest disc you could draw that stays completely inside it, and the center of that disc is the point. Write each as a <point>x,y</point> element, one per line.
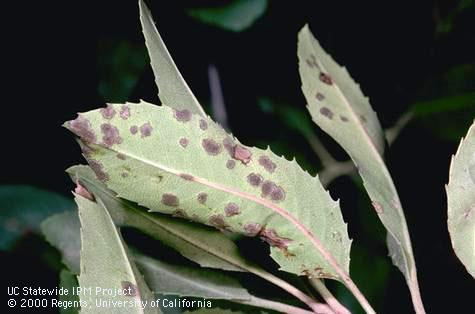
<point>57,53</point>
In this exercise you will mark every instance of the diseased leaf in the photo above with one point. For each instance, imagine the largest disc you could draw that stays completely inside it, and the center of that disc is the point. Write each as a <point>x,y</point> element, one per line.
<point>172,88</point>
<point>106,263</point>
<point>461,201</point>
<point>23,207</point>
<point>185,165</point>
<point>62,232</point>
<point>236,16</point>
<point>338,106</point>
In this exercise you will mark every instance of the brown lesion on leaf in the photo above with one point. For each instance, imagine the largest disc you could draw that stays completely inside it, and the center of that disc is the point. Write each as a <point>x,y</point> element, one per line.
<point>325,78</point>
<point>255,179</point>
<point>170,200</point>
<point>203,124</point>
<point>274,240</point>
<point>202,197</point>
<point>183,142</point>
<point>82,128</point>
<point>218,221</point>
<point>363,118</point>
<point>312,61</point>
<point>182,115</point>
<point>319,96</point>
<point>230,164</point>
<point>98,169</point>
<point>129,289</point>
<point>267,163</point>
<point>110,135</point>
<point>108,112</point>
<point>121,156</point>
<point>252,229</point>
<point>228,144</point>
<point>211,146</point>
<point>343,118</point>
<point>187,176</point>
<point>336,235</point>
<point>468,212</point>
<point>378,207</point>
<point>146,130</point>
<point>124,112</point>
<point>134,129</point>
<point>242,153</point>
<point>271,190</point>
<point>326,112</point>
<point>231,209</point>
<point>180,213</point>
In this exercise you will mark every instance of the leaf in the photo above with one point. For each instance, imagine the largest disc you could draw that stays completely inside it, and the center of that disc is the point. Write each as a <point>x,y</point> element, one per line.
<point>106,263</point>
<point>62,232</point>
<point>184,281</point>
<point>338,106</point>
<point>68,281</point>
<point>236,16</point>
<point>461,201</point>
<point>445,104</point>
<point>185,165</point>
<point>172,88</point>
<point>23,207</point>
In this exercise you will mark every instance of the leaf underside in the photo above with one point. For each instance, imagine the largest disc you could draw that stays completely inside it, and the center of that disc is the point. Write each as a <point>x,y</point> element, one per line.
<point>461,201</point>
<point>338,106</point>
<point>179,163</point>
<point>106,262</point>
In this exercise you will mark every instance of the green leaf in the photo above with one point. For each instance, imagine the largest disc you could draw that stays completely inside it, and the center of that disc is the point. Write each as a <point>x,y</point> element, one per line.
<point>106,263</point>
<point>23,208</point>
<point>179,280</point>
<point>338,106</point>
<point>461,201</point>
<point>172,88</point>
<point>62,232</point>
<point>236,16</point>
<point>186,165</point>
<point>443,105</point>
<point>68,281</point>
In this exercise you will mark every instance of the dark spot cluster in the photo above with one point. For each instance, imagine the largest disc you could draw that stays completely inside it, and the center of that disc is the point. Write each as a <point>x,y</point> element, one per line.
<point>203,124</point>
<point>252,229</point>
<point>326,112</point>
<point>110,135</point>
<point>271,190</point>
<point>82,128</point>
<point>320,96</point>
<point>267,163</point>
<point>124,112</point>
<point>242,153</point>
<point>146,130</point>
<point>255,179</point>
<point>182,115</point>
<point>170,200</point>
<point>98,169</point>
<point>231,209</point>
<point>202,197</point>
<point>129,288</point>
<point>108,112</point>
<point>183,142</point>
<point>217,221</point>
<point>134,129</point>
<point>211,146</point>
<point>271,237</point>
<point>230,164</point>
<point>325,78</point>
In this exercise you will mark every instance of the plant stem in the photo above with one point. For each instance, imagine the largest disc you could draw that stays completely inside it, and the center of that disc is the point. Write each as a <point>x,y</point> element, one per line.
<point>328,297</point>
<point>314,305</point>
<point>282,307</point>
<point>217,98</point>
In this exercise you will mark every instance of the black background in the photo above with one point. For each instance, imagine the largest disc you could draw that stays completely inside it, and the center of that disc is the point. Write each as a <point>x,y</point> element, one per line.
<point>50,72</point>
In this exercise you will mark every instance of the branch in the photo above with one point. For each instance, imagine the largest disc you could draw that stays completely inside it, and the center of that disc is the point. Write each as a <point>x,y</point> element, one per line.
<point>284,308</point>
<point>328,297</point>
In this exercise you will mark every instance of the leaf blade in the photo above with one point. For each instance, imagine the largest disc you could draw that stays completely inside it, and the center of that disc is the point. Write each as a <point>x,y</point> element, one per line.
<point>461,201</point>
<point>173,89</point>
